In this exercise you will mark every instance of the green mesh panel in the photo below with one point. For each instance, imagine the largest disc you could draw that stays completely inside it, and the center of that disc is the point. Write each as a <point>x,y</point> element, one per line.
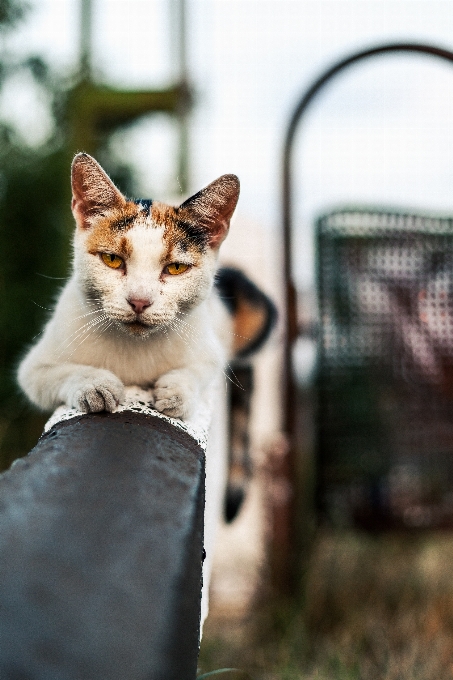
<point>385,371</point>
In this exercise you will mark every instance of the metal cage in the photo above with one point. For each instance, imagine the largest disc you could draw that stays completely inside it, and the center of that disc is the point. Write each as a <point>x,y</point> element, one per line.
<point>385,372</point>
<point>384,424</point>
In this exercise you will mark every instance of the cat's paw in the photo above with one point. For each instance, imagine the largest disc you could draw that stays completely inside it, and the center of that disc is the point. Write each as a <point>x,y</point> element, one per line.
<point>99,390</point>
<point>174,395</point>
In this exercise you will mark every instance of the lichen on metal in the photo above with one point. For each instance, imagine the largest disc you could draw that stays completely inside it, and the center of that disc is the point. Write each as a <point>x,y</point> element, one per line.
<point>140,401</point>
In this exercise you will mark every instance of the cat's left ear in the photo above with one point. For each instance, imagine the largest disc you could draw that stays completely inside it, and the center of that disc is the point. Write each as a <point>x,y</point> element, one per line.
<point>212,208</point>
<point>93,192</point>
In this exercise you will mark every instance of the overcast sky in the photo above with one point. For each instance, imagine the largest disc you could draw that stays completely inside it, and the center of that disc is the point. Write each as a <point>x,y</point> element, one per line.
<point>382,133</point>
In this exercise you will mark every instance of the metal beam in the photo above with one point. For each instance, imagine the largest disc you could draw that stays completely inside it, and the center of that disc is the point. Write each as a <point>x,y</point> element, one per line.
<point>101,542</point>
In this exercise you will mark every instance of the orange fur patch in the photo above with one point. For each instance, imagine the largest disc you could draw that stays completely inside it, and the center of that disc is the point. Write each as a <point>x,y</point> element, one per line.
<point>163,215</point>
<point>174,234</point>
<point>249,321</point>
<point>107,232</point>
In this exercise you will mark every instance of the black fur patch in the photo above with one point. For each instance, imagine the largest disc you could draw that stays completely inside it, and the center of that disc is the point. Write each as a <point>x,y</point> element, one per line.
<point>232,285</point>
<point>194,234</point>
<point>123,223</point>
<point>145,204</point>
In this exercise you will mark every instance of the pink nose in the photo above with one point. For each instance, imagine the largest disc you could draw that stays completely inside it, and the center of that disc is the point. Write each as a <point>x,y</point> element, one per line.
<point>139,305</point>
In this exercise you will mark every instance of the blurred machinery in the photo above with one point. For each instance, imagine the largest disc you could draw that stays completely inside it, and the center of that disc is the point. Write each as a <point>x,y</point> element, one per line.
<point>96,111</point>
<point>383,400</point>
<point>385,370</point>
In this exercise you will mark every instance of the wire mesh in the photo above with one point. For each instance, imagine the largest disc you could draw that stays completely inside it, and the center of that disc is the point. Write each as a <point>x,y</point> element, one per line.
<point>385,371</point>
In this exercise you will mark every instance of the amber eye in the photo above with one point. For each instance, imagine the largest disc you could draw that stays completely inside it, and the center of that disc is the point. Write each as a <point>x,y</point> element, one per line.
<point>176,268</point>
<point>111,260</point>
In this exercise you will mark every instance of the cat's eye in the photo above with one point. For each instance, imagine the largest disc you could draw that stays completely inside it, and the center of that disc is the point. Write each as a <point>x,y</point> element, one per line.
<point>113,261</point>
<point>176,268</point>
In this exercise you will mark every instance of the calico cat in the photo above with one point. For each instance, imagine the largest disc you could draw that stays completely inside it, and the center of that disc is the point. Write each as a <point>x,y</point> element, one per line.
<point>139,308</point>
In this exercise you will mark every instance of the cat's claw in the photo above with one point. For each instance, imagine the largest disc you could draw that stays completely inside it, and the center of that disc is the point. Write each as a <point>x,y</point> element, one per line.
<point>101,392</point>
<point>172,397</point>
<point>95,399</point>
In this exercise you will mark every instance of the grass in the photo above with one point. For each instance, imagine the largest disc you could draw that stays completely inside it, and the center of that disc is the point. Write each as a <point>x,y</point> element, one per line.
<point>221,671</point>
<point>377,608</point>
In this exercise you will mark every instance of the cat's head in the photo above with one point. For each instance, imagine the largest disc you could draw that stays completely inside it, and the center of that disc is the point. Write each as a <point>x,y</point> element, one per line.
<point>145,264</point>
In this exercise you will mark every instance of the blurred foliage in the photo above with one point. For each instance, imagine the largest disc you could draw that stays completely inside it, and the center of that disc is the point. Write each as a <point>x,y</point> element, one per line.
<point>35,228</point>
<point>11,11</point>
<point>36,224</point>
<point>34,216</point>
<point>34,245</point>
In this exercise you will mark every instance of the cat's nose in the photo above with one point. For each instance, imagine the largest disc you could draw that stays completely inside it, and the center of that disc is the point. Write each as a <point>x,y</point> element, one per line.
<point>139,306</point>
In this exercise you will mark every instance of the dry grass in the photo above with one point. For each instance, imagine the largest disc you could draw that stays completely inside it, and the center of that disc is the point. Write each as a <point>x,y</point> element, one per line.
<point>377,608</point>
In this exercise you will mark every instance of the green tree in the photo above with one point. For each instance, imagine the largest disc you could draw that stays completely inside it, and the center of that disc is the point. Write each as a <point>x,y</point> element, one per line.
<point>35,220</point>
<point>33,233</point>
<point>10,12</point>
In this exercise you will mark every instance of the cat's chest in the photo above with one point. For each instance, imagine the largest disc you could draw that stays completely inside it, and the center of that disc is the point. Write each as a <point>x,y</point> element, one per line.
<point>135,363</point>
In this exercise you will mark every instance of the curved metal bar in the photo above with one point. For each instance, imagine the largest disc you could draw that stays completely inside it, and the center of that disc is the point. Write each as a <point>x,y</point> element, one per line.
<point>305,102</point>
<point>286,515</point>
<point>287,186</point>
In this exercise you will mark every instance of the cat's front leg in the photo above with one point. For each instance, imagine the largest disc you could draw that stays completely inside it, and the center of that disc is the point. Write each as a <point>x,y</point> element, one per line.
<point>177,393</point>
<point>86,388</point>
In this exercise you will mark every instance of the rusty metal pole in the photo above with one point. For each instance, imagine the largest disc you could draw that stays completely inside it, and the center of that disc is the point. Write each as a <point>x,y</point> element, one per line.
<point>85,38</point>
<point>184,107</point>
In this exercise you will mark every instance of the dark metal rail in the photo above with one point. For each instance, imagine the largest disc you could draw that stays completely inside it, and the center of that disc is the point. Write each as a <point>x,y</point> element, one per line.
<point>101,542</point>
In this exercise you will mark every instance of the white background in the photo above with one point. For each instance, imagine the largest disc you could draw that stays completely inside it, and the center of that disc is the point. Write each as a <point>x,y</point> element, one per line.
<point>381,133</point>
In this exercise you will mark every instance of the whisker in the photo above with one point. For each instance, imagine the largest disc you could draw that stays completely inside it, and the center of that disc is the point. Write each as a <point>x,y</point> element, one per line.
<point>82,316</point>
<point>90,332</point>
<point>79,329</point>
<point>54,278</point>
<point>38,305</point>
<point>86,330</point>
<point>193,333</point>
<point>38,334</point>
<point>232,373</point>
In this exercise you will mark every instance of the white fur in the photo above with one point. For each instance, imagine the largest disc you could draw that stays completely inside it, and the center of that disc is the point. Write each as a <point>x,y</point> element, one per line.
<point>86,354</point>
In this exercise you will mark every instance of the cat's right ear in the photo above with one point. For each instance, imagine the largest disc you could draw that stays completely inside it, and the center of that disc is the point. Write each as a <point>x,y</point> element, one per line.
<point>93,192</point>
<point>212,208</point>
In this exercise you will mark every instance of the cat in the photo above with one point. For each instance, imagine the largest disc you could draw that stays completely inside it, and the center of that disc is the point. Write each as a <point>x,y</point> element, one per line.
<point>139,307</point>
